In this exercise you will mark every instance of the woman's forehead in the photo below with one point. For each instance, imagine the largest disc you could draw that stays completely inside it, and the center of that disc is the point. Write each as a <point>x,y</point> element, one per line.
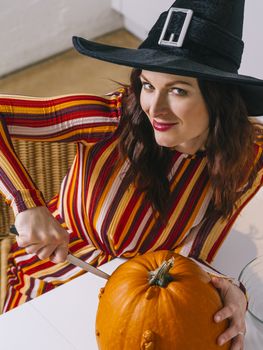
<point>167,78</point>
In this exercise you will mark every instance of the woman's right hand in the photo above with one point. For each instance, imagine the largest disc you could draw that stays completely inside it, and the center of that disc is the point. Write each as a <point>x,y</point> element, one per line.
<point>41,234</point>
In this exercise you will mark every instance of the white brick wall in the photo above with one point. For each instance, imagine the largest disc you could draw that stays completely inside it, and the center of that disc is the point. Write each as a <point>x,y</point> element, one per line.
<point>32,30</point>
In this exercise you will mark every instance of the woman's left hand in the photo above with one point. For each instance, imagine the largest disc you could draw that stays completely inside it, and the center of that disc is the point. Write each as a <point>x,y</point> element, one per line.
<point>234,309</point>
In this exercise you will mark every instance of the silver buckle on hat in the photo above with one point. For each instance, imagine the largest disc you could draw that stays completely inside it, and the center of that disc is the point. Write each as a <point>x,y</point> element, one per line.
<point>180,40</point>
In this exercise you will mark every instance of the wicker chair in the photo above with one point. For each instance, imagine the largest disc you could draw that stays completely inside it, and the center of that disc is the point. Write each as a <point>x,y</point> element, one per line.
<point>47,163</point>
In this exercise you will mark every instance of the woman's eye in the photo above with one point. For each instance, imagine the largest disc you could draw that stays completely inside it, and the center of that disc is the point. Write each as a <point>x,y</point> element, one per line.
<point>178,91</point>
<point>147,86</point>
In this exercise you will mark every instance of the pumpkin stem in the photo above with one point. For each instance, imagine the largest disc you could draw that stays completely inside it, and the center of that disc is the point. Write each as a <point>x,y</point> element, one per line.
<point>160,277</point>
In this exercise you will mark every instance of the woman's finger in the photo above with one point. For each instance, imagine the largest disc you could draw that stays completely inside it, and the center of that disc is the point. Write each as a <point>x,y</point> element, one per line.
<point>33,248</point>
<point>230,333</point>
<point>225,313</point>
<point>60,254</point>
<point>45,252</point>
<point>220,283</point>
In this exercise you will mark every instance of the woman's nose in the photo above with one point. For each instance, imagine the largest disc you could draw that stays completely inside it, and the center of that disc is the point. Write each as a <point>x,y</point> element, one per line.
<point>159,105</point>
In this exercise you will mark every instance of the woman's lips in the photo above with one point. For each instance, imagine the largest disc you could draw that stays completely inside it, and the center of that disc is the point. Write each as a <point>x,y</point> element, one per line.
<point>160,126</point>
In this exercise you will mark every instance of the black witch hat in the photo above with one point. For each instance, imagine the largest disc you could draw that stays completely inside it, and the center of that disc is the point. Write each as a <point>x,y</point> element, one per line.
<point>198,38</point>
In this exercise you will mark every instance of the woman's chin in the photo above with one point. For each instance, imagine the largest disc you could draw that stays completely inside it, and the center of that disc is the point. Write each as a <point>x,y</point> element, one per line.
<point>165,143</point>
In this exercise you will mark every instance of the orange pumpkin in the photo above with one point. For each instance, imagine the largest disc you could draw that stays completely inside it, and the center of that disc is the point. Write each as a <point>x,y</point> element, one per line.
<point>159,301</point>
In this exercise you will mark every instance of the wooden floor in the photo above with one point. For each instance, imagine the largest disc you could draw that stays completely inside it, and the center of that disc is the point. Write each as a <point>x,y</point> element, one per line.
<point>71,72</point>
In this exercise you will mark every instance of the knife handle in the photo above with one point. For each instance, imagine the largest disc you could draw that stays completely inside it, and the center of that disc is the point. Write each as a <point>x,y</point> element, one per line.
<point>13,230</point>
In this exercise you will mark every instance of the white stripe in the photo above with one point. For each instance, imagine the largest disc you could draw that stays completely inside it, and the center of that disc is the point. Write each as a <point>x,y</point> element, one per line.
<point>58,128</point>
<point>62,189</point>
<point>176,165</point>
<point>188,242</point>
<point>33,292</point>
<point>7,301</point>
<point>24,257</point>
<point>203,207</point>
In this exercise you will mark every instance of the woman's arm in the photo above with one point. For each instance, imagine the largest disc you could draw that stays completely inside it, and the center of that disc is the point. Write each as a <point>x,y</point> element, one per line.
<point>39,232</point>
<point>79,118</point>
<point>16,185</point>
<point>82,118</point>
<point>70,118</point>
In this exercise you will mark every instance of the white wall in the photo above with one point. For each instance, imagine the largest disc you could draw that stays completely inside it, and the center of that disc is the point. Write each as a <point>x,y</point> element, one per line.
<point>252,36</point>
<point>140,16</point>
<point>32,30</point>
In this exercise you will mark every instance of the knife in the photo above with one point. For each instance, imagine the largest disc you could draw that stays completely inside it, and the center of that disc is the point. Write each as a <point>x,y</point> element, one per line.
<point>76,261</point>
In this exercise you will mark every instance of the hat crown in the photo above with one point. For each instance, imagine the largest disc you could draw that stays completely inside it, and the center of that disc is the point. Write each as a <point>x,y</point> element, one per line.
<point>213,36</point>
<point>229,14</point>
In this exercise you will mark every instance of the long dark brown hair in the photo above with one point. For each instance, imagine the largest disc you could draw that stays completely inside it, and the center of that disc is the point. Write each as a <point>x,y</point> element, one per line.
<point>229,147</point>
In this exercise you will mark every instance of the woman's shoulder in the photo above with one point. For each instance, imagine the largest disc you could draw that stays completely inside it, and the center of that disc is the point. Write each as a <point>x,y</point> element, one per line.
<point>115,99</point>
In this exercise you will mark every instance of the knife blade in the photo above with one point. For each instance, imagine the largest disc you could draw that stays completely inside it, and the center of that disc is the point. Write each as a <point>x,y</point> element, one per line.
<point>86,266</point>
<point>76,261</point>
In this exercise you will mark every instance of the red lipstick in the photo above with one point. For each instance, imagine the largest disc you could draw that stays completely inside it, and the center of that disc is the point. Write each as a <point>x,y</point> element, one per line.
<point>159,126</point>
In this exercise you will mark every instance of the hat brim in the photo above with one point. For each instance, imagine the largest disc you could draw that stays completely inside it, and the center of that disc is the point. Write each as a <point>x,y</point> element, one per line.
<point>153,60</point>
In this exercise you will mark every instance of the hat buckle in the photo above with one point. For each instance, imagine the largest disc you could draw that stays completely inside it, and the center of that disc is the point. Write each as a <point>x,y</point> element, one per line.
<point>179,42</point>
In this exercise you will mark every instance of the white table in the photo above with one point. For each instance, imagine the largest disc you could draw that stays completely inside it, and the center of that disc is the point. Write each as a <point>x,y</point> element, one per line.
<point>65,317</point>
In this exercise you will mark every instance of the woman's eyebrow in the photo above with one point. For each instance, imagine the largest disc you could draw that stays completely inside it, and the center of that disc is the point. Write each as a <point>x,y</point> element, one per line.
<point>170,83</point>
<point>143,77</point>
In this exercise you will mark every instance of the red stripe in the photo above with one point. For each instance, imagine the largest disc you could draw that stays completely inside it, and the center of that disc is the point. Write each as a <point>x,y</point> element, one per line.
<point>18,101</point>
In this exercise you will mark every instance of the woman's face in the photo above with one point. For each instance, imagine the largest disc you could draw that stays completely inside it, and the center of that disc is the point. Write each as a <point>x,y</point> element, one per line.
<point>176,110</point>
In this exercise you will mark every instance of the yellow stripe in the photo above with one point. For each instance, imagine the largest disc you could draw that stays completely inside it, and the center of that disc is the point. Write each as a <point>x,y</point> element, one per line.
<point>13,177</point>
<point>68,134</point>
<point>54,107</point>
<point>22,300</point>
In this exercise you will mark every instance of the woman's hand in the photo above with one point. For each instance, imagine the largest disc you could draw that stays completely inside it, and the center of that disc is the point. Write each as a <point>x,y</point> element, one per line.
<point>234,309</point>
<point>41,234</point>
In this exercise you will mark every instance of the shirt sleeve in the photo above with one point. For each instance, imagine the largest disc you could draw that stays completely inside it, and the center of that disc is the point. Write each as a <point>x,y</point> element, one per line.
<point>70,118</point>
<point>16,185</point>
<point>73,118</point>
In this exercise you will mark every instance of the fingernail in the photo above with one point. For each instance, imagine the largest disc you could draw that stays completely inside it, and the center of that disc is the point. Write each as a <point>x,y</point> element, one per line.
<point>217,318</point>
<point>221,341</point>
<point>215,279</point>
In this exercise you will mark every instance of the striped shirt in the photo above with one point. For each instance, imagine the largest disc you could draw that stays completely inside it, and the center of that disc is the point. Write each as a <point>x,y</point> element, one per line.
<point>105,215</point>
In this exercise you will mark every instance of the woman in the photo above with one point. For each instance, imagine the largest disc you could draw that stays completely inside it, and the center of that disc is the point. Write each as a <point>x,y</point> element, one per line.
<point>166,163</point>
